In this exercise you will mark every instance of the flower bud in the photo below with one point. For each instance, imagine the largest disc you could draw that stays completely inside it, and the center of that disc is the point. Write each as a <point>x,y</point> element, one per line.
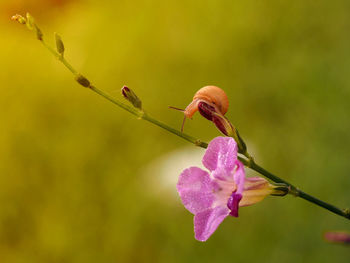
<point>19,19</point>
<point>222,123</point>
<point>30,21</point>
<point>39,34</point>
<point>30,24</point>
<point>59,44</point>
<point>82,80</point>
<point>206,110</point>
<point>338,237</point>
<point>132,97</point>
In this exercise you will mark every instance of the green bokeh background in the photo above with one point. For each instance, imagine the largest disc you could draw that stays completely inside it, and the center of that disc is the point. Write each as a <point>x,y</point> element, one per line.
<point>72,165</point>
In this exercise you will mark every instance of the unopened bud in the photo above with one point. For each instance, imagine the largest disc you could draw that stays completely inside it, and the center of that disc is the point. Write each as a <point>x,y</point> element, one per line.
<point>82,80</point>
<point>206,110</point>
<point>59,44</point>
<point>222,123</point>
<point>19,19</point>
<point>30,21</point>
<point>39,34</point>
<point>338,237</point>
<point>132,97</point>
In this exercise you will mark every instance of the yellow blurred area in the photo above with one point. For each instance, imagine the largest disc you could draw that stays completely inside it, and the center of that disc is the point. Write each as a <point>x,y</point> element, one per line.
<point>79,176</point>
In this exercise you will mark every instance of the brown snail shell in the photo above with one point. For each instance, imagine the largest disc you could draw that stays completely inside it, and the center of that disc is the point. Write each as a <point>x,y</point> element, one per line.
<point>213,96</point>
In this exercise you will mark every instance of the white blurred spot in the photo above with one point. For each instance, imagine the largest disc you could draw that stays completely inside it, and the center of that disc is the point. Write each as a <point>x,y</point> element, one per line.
<point>162,173</point>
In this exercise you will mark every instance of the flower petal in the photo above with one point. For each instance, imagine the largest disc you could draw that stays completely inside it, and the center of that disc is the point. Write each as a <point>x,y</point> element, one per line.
<point>196,189</point>
<point>206,222</point>
<point>255,190</point>
<point>239,177</point>
<point>221,155</point>
<point>233,203</point>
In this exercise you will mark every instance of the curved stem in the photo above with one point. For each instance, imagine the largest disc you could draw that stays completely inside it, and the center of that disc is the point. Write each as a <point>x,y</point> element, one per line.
<point>247,162</point>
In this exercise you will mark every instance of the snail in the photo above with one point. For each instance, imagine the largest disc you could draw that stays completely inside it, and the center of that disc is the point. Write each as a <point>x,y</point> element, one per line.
<point>212,96</point>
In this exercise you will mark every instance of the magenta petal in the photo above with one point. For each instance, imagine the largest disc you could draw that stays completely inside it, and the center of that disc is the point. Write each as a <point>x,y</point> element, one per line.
<point>233,204</point>
<point>221,154</point>
<point>235,198</point>
<point>196,189</point>
<point>206,222</point>
<point>206,110</point>
<point>239,177</point>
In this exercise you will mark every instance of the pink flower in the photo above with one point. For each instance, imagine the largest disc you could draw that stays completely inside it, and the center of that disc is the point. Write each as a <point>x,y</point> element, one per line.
<point>338,237</point>
<point>213,196</point>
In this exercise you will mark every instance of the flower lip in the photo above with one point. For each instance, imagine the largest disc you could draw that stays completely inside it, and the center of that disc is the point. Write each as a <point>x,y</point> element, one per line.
<point>233,203</point>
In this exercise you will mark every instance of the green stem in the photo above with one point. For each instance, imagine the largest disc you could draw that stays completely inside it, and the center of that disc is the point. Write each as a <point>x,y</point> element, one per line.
<point>247,162</point>
<point>297,192</point>
<point>342,212</point>
<point>144,116</point>
<point>60,57</point>
<point>139,113</point>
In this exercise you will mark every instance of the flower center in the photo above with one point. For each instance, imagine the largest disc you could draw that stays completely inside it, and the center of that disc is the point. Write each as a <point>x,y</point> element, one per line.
<point>224,191</point>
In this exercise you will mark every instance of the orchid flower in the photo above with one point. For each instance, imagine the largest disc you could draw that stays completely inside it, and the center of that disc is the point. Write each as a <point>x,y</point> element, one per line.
<point>213,196</point>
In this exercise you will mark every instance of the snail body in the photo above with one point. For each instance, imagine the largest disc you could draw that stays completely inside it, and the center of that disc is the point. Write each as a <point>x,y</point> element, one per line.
<point>212,95</point>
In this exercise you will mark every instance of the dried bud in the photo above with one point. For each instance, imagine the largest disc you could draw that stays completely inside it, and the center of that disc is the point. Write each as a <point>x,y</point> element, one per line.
<point>132,97</point>
<point>82,80</point>
<point>19,19</point>
<point>59,44</point>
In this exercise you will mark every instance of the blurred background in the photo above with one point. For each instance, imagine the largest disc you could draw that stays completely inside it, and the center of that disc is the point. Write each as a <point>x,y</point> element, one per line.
<point>84,181</point>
